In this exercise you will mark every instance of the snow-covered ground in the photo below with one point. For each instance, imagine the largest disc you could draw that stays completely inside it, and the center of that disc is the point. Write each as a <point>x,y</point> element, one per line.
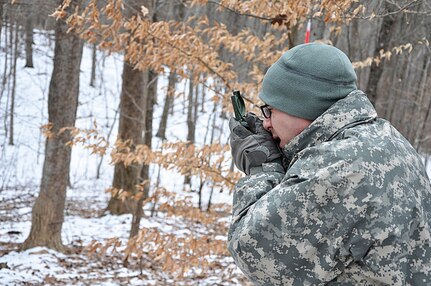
<point>85,221</point>
<point>83,225</point>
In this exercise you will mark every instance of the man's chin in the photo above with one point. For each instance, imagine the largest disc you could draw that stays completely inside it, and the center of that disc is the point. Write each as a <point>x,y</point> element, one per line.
<point>278,142</point>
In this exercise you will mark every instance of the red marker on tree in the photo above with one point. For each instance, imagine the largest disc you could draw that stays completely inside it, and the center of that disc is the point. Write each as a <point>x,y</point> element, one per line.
<point>307,32</point>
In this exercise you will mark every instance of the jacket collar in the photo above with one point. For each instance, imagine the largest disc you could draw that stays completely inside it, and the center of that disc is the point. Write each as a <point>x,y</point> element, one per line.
<point>354,109</point>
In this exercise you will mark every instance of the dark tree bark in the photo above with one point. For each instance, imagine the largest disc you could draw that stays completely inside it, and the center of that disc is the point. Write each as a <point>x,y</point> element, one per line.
<point>421,136</point>
<point>6,53</point>
<point>382,43</point>
<point>28,26</point>
<point>48,210</point>
<point>150,95</point>
<point>1,18</point>
<point>399,88</point>
<point>191,120</point>
<point>15,40</point>
<point>130,128</point>
<point>161,133</point>
<point>93,66</point>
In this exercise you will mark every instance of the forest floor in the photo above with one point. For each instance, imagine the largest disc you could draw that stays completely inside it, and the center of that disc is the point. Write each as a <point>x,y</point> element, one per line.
<point>179,245</point>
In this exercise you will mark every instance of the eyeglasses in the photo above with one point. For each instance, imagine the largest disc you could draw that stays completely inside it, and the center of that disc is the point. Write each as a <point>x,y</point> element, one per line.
<point>266,111</point>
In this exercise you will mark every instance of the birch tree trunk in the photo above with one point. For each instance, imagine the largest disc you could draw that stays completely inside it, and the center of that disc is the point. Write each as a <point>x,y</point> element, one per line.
<point>48,210</point>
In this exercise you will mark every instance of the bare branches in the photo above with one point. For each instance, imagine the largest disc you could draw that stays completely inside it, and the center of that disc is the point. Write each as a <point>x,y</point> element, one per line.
<point>211,162</point>
<point>399,9</point>
<point>199,59</point>
<point>240,13</point>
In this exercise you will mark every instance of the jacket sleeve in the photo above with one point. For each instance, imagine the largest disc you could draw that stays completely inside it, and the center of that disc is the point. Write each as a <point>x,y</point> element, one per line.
<point>287,233</point>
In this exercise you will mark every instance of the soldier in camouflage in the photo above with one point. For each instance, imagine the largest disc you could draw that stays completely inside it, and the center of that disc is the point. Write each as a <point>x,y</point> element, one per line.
<point>342,199</point>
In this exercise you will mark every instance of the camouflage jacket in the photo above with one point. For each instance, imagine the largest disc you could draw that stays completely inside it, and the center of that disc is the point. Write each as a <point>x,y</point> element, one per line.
<point>353,207</point>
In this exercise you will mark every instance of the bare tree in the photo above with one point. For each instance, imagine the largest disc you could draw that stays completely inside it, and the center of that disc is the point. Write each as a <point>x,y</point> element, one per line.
<point>191,120</point>
<point>150,96</point>
<point>48,210</point>
<point>402,79</point>
<point>130,128</point>
<point>93,66</point>
<point>1,17</point>
<point>28,27</point>
<point>382,43</point>
<point>169,99</point>
<point>14,42</point>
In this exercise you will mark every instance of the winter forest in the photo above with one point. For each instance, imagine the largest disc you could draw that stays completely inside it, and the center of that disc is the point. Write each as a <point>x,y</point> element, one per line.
<point>115,165</point>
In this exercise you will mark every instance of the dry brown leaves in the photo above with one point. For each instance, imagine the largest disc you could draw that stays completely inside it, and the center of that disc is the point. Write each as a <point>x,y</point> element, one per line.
<point>210,162</point>
<point>179,255</point>
<point>386,55</point>
<point>195,44</point>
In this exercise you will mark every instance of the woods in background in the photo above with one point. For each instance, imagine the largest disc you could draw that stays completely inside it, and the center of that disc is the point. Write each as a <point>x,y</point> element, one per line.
<point>217,46</point>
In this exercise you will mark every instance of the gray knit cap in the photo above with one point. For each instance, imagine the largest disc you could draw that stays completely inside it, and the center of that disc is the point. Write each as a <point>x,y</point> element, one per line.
<point>307,80</point>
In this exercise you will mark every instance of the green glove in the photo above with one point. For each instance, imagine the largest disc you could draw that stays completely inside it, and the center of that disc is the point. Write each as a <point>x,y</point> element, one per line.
<point>254,146</point>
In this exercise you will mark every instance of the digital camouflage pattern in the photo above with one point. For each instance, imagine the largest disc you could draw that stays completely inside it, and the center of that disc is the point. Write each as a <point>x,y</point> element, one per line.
<point>353,207</point>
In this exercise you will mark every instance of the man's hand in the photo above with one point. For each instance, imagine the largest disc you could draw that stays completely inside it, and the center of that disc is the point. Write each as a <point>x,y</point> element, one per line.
<point>254,146</point>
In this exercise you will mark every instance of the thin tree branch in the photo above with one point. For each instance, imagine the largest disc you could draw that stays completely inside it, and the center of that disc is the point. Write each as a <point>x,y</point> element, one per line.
<point>192,56</point>
<point>401,9</point>
<point>239,13</point>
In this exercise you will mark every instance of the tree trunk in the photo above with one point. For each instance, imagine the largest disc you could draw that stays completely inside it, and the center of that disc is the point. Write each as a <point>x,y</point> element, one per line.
<point>161,133</point>
<point>399,87</point>
<point>213,128</point>
<point>201,187</point>
<point>12,100</point>
<point>191,120</point>
<point>130,128</point>
<point>423,106</point>
<point>1,18</point>
<point>29,36</point>
<point>5,67</point>
<point>376,71</point>
<point>48,210</point>
<point>203,94</point>
<point>150,100</point>
<point>151,92</point>
<point>93,66</point>
<point>7,74</point>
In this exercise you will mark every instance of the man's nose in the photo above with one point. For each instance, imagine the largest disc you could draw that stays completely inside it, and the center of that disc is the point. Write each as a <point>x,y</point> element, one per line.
<point>267,124</point>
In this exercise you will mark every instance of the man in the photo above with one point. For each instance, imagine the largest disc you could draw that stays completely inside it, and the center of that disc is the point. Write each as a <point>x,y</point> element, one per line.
<point>343,199</point>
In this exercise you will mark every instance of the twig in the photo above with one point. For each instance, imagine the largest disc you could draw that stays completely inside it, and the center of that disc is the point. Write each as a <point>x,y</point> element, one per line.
<point>239,13</point>
<point>399,10</point>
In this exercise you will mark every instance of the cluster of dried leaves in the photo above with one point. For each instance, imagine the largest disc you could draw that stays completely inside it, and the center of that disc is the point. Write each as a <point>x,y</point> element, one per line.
<point>408,47</point>
<point>212,163</point>
<point>195,253</point>
<point>193,47</point>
